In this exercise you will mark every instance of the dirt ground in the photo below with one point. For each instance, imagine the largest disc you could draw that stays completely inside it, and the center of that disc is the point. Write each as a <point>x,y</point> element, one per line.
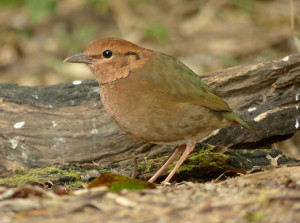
<point>268,196</point>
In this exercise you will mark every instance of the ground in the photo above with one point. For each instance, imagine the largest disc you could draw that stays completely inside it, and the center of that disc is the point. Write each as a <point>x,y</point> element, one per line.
<point>271,195</point>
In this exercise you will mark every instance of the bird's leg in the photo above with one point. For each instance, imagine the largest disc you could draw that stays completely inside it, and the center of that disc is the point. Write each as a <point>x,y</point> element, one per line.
<point>169,161</point>
<point>189,148</point>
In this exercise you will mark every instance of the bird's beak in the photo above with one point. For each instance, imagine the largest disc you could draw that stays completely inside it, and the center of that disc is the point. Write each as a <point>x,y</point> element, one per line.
<point>79,58</point>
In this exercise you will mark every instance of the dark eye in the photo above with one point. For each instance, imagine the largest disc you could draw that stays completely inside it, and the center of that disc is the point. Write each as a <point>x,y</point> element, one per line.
<point>107,54</point>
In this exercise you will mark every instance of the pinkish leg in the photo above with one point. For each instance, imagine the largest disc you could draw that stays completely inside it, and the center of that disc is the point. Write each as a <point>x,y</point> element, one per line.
<point>169,161</point>
<point>188,150</point>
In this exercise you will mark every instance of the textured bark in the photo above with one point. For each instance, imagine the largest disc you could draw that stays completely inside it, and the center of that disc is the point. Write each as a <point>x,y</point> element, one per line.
<point>67,122</point>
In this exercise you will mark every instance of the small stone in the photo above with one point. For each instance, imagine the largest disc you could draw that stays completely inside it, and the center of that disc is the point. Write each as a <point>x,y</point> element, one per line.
<point>210,186</point>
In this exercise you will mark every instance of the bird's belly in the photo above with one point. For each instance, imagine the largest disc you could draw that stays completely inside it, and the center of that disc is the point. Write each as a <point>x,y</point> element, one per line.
<point>156,118</point>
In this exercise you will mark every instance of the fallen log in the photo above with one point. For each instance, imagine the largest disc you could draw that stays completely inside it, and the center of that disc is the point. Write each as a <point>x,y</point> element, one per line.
<point>67,123</point>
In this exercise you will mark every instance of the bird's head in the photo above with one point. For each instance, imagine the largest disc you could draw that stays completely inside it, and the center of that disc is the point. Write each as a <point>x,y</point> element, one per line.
<point>111,59</point>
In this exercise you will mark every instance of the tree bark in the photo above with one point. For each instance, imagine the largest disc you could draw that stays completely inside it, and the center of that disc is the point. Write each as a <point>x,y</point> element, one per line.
<point>67,123</point>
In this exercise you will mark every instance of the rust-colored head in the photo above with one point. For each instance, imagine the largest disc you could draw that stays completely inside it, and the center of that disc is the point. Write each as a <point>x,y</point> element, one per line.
<point>111,59</point>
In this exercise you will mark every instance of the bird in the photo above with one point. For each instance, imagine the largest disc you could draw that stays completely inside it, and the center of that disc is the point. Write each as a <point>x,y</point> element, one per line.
<point>156,98</point>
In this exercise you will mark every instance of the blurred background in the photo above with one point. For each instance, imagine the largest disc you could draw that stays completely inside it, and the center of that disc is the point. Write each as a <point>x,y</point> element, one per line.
<point>207,35</point>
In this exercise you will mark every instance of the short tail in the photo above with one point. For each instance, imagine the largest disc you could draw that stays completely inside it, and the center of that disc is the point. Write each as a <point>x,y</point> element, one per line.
<point>234,117</point>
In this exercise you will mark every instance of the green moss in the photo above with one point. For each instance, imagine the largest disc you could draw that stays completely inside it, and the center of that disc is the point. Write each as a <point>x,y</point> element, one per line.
<point>206,157</point>
<point>147,164</point>
<point>254,217</point>
<point>144,165</point>
<point>68,175</point>
<point>116,182</point>
<point>125,185</point>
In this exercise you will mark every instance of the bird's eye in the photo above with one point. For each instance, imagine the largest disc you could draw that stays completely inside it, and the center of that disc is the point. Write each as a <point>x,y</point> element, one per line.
<point>107,54</point>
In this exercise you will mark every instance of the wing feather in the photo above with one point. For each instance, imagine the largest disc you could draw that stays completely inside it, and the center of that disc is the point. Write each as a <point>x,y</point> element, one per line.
<point>178,81</point>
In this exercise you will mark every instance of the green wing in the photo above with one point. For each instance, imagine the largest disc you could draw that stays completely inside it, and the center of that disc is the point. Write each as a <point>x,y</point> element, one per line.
<point>181,83</point>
